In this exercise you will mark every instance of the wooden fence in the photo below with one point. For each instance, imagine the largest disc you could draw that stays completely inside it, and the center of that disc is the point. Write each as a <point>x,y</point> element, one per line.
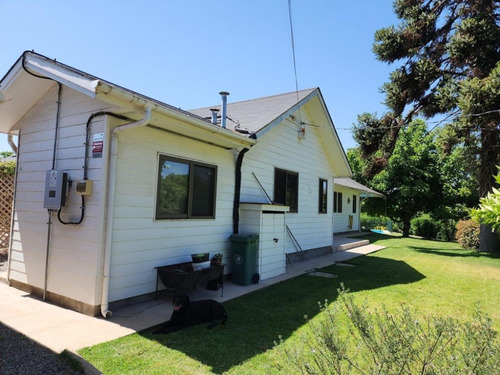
<point>6,197</point>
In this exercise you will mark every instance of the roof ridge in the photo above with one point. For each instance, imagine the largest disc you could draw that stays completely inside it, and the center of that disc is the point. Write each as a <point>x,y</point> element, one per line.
<point>229,103</point>
<point>274,96</point>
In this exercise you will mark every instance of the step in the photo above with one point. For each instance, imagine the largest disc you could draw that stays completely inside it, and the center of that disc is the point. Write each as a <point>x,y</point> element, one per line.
<point>351,245</point>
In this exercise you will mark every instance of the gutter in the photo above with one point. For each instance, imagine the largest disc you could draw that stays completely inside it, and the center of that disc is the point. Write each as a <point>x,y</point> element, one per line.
<point>112,161</point>
<point>115,95</point>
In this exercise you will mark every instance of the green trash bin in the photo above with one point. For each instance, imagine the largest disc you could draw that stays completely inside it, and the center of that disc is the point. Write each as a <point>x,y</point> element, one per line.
<point>245,247</point>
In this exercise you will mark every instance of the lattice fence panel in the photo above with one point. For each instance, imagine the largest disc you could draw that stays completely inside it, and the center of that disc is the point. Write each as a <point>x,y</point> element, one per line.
<point>6,196</point>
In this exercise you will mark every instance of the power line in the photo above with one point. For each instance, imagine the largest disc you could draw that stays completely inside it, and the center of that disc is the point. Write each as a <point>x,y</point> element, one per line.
<point>438,122</point>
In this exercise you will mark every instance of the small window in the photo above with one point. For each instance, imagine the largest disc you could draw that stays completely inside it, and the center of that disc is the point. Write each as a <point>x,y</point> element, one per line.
<point>186,189</point>
<point>323,196</point>
<point>286,189</point>
<point>354,204</point>
<point>337,202</point>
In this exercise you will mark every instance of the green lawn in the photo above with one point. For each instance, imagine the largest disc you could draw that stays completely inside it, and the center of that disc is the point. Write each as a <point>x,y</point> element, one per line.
<point>435,278</point>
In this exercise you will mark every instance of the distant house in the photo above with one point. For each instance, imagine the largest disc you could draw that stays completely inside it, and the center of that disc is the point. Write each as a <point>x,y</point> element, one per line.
<point>111,183</point>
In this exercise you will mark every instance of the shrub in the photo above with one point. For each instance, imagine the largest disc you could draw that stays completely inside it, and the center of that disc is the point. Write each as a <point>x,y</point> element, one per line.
<point>382,342</point>
<point>468,234</point>
<point>373,222</point>
<point>425,226</point>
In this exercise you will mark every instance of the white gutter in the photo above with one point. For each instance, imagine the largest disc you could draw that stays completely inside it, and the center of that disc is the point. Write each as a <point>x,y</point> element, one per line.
<point>113,155</point>
<point>107,93</point>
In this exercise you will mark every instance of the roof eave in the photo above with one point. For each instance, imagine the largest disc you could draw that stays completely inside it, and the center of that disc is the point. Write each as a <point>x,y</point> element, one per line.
<point>126,99</point>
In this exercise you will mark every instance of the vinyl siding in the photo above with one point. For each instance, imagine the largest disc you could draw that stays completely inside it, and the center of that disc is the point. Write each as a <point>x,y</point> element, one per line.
<point>281,148</point>
<point>341,219</point>
<point>74,259</point>
<point>140,242</point>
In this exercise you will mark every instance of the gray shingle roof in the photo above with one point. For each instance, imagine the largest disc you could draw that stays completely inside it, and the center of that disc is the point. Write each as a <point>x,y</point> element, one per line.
<point>350,183</point>
<point>255,114</point>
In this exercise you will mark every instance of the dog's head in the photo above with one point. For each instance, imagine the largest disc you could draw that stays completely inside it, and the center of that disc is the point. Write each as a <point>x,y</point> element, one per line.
<point>180,301</point>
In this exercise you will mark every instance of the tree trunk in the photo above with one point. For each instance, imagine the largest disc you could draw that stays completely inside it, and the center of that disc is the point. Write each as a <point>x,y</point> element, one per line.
<point>406,228</point>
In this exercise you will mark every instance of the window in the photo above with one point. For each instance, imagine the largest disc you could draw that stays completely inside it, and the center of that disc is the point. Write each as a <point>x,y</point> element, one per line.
<point>354,204</point>
<point>286,189</point>
<point>337,202</point>
<point>323,196</point>
<point>186,189</point>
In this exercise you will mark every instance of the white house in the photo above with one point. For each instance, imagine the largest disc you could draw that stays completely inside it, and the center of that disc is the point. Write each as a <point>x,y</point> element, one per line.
<point>111,183</point>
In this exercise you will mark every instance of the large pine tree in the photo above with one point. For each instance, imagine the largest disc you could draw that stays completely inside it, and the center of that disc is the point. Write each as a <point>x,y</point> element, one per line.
<point>448,57</point>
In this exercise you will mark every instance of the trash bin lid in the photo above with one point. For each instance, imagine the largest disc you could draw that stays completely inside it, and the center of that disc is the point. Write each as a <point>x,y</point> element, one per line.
<point>243,237</point>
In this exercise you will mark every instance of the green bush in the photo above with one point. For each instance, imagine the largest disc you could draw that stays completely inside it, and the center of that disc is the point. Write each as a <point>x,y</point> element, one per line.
<point>373,222</point>
<point>425,226</point>
<point>402,342</point>
<point>467,234</point>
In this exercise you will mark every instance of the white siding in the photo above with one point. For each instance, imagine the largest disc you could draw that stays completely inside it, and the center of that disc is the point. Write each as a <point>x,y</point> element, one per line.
<point>341,219</point>
<point>74,260</point>
<point>140,242</point>
<point>281,148</point>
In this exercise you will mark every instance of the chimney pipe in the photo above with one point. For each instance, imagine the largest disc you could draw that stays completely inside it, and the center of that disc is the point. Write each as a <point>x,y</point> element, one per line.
<point>224,95</point>
<point>214,115</point>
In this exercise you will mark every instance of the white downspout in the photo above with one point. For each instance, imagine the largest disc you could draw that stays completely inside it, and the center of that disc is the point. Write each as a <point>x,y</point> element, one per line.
<point>113,155</point>
<point>12,144</point>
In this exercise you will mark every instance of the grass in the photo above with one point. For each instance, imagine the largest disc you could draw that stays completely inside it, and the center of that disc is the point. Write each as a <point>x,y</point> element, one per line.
<point>435,278</point>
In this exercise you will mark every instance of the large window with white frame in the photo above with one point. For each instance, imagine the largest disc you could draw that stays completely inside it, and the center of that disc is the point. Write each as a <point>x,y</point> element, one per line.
<point>186,189</point>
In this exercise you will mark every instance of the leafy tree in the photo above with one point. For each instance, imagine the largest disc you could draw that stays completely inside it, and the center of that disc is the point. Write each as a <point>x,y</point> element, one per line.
<point>450,64</point>
<point>411,180</point>
<point>448,52</point>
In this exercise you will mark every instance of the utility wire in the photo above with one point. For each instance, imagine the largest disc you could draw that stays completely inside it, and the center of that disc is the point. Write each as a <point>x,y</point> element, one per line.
<point>293,54</point>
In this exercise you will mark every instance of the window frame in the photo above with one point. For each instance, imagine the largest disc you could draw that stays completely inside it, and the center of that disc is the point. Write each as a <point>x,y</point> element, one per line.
<point>354,203</point>
<point>294,208</point>
<point>192,164</point>
<point>323,196</point>
<point>337,202</point>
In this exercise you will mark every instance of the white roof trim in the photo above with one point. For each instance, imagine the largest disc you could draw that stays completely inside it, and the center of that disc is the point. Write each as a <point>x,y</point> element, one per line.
<point>351,184</point>
<point>51,69</point>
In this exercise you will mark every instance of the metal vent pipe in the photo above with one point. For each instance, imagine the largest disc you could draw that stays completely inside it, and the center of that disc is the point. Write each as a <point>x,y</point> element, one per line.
<point>224,95</point>
<point>214,115</point>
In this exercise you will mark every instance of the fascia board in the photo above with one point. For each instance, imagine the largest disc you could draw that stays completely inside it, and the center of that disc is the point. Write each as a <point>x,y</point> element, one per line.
<point>125,99</point>
<point>59,73</point>
<point>338,144</point>
<point>290,111</point>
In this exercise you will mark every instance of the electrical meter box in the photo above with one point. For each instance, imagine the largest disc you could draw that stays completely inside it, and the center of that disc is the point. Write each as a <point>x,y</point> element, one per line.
<point>56,183</point>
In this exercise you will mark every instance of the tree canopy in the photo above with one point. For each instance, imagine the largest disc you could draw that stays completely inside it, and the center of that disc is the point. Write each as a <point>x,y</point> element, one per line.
<point>448,53</point>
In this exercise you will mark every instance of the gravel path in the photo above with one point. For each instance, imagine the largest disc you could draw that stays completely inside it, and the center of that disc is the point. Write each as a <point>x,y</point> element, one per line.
<point>20,355</point>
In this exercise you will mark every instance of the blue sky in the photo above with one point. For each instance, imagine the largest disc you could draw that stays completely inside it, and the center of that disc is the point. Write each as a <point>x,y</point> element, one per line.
<point>185,52</point>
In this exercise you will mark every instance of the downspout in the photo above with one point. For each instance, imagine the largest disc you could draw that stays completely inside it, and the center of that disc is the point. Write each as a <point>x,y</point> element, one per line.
<point>237,191</point>
<point>12,144</point>
<point>113,155</point>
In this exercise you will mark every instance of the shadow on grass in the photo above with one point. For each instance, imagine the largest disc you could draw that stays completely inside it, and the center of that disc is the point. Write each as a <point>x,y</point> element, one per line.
<point>458,253</point>
<point>257,319</point>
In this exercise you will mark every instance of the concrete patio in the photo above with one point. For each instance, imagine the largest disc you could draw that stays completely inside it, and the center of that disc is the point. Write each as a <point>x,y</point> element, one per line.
<point>58,329</point>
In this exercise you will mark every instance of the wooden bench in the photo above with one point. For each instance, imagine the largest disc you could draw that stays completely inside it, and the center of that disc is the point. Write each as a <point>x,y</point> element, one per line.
<point>181,278</point>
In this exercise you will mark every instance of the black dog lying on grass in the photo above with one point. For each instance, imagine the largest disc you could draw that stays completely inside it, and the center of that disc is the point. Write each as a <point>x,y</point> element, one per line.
<point>187,313</point>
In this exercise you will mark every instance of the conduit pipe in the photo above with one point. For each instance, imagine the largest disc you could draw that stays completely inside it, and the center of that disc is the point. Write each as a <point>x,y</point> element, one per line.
<point>113,155</point>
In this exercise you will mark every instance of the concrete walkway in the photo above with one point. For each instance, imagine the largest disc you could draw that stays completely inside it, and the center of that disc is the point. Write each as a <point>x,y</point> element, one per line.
<point>58,328</point>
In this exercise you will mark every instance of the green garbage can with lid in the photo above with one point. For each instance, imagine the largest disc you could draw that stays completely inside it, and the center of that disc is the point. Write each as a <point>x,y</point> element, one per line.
<point>245,247</point>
